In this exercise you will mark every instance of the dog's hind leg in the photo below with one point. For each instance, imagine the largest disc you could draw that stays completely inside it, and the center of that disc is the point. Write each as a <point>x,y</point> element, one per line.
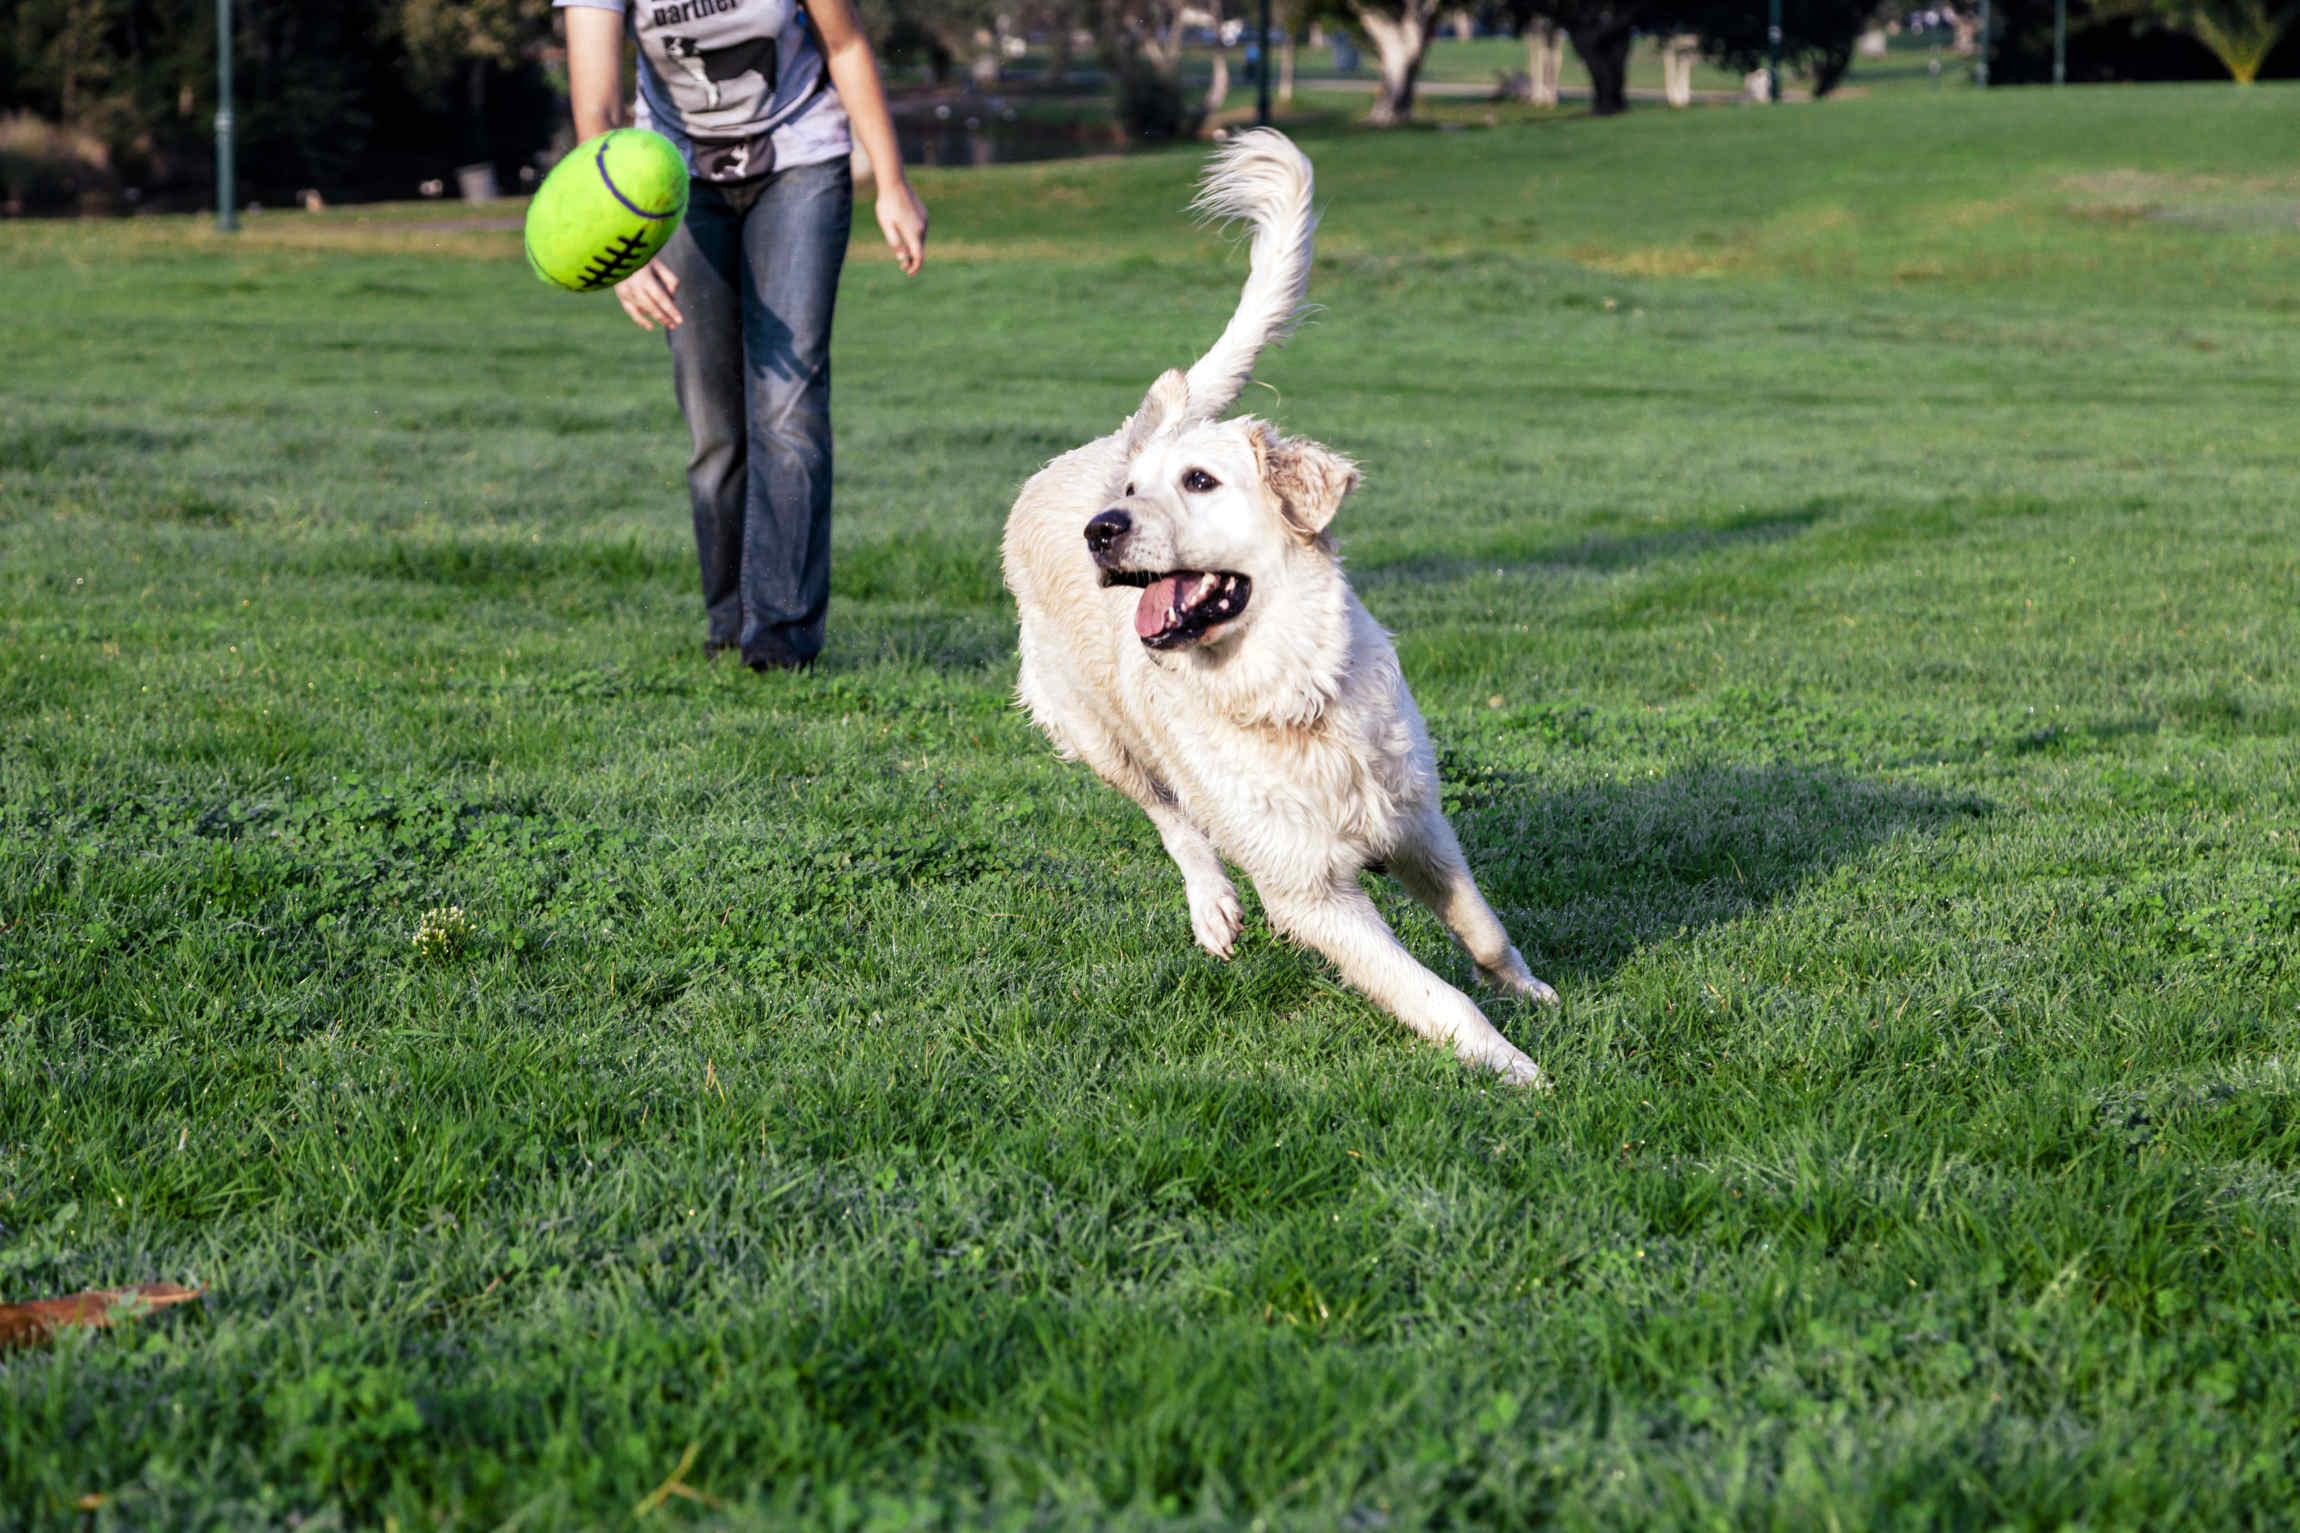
<point>1431,866</point>
<point>1343,924</point>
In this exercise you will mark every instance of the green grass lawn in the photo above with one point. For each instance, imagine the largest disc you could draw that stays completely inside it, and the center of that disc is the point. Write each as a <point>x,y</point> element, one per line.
<point>1848,559</point>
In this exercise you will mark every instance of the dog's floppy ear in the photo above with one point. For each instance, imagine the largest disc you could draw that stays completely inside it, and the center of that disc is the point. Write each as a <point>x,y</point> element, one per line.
<point>1308,480</point>
<point>1164,406</point>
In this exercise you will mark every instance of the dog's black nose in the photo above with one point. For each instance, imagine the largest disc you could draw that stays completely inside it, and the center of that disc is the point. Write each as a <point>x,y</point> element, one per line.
<point>1106,529</point>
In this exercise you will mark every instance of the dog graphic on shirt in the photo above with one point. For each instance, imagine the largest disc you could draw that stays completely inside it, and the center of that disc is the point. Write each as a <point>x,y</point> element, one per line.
<point>711,68</point>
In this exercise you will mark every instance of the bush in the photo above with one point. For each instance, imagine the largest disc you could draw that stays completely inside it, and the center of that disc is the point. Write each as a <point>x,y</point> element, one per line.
<point>47,169</point>
<point>1150,102</point>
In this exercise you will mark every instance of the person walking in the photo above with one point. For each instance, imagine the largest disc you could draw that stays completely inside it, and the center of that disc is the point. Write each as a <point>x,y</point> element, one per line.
<point>765,99</point>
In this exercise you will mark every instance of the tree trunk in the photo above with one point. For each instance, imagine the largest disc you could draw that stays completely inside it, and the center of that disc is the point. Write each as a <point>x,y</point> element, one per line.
<point>1218,88</point>
<point>1829,68</point>
<point>1145,66</point>
<point>1399,43</point>
<point>1677,68</point>
<point>475,86</point>
<point>982,69</point>
<point>1286,69</point>
<point>1543,54</point>
<point>1604,52</point>
<point>76,26</point>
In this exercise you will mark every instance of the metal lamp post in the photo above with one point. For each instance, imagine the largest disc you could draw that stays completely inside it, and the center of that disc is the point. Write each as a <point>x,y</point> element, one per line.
<point>1773,52</point>
<point>2060,42</point>
<point>1981,69</point>
<point>227,212</point>
<point>1262,70</point>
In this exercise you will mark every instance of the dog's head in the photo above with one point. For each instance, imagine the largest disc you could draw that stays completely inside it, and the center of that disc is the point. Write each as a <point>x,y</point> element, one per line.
<point>1216,523</point>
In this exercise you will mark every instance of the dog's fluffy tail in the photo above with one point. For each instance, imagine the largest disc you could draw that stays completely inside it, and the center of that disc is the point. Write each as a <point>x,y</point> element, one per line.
<point>1258,176</point>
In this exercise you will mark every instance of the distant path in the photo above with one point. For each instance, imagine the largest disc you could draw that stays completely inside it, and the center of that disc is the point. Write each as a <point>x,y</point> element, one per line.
<point>1472,89</point>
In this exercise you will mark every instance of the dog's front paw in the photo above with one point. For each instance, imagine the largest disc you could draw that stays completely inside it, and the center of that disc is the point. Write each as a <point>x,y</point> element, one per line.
<point>1215,918</point>
<point>1535,991</point>
<point>1523,1073</point>
<point>1512,977</point>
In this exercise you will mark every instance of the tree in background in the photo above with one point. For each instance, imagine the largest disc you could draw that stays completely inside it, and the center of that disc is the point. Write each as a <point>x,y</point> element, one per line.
<point>1292,19</point>
<point>1218,88</point>
<point>462,43</point>
<point>1817,36</point>
<point>949,30</point>
<point>1544,53</point>
<point>354,97</point>
<point>2117,40</point>
<point>127,76</point>
<point>1059,20</point>
<point>1141,42</point>
<point>1400,31</point>
<point>1601,32</point>
<point>2240,33</point>
<point>1678,51</point>
<point>138,76</point>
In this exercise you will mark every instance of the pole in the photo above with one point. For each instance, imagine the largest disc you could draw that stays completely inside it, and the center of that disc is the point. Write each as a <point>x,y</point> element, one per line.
<point>1262,71</point>
<point>2060,42</point>
<point>1981,69</point>
<point>227,201</point>
<point>1773,51</point>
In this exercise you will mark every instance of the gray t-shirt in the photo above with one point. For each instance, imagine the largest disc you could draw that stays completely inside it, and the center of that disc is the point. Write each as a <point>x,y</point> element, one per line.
<point>739,85</point>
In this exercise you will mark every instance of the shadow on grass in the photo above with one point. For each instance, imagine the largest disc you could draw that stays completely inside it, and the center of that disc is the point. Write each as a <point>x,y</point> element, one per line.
<point>507,566</point>
<point>1586,877</point>
<point>965,644</point>
<point>1604,555</point>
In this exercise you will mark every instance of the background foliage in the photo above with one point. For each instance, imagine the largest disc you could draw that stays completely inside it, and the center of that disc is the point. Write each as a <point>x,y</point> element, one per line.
<point>101,100</point>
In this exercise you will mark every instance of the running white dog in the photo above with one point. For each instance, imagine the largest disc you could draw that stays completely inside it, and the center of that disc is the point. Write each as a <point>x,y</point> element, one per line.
<point>1187,632</point>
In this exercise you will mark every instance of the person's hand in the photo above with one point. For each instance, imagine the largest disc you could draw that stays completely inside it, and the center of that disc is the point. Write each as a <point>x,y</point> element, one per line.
<point>646,296</point>
<point>902,219</point>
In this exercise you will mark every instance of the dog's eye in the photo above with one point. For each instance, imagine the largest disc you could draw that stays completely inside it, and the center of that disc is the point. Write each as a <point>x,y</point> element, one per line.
<point>1198,482</point>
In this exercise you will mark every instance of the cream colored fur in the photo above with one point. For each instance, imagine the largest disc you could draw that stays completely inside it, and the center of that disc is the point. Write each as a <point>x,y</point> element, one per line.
<point>1284,740</point>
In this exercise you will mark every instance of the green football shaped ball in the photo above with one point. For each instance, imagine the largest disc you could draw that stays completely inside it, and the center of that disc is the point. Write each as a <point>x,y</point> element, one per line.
<point>606,209</point>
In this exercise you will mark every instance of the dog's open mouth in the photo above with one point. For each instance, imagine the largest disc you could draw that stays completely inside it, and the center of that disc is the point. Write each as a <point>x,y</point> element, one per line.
<point>1182,606</point>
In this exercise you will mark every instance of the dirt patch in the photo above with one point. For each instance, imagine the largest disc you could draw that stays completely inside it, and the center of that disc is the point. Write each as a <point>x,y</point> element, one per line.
<point>1659,261</point>
<point>2238,204</point>
<point>498,225</point>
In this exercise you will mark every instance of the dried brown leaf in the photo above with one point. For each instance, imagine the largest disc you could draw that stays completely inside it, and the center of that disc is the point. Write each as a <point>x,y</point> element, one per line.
<point>36,1321</point>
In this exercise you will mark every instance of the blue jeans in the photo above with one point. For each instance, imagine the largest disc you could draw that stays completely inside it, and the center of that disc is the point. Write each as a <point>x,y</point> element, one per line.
<point>758,268</point>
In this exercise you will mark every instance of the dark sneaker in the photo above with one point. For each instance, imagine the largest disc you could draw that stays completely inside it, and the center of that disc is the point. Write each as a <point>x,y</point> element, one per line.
<point>765,658</point>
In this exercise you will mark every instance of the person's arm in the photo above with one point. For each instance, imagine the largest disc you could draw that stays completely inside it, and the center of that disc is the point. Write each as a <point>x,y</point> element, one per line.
<point>594,68</point>
<point>854,75</point>
<point>595,91</point>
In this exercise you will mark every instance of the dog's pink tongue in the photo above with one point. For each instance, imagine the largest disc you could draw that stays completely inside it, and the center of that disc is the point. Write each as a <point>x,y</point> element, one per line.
<point>1152,613</point>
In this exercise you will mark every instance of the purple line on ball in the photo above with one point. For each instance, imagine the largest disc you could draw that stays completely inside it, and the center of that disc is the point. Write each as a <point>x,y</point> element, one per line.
<point>616,194</point>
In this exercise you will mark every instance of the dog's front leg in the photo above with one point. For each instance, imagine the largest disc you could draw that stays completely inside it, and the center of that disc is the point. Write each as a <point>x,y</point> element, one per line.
<point>1215,914</point>
<point>1432,868</point>
<point>1343,924</point>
